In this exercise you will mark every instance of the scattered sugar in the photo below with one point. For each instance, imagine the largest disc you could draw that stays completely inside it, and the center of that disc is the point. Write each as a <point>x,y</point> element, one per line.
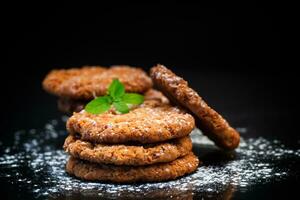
<point>254,162</point>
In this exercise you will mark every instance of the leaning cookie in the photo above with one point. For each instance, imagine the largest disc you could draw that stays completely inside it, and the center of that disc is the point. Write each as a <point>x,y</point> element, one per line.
<point>128,174</point>
<point>128,154</point>
<point>212,123</point>
<point>89,81</point>
<point>149,122</point>
<point>68,105</point>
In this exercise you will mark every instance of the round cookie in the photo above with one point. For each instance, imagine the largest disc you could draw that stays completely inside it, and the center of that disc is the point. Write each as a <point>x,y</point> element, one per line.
<point>128,154</point>
<point>89,81</point>
<point>149,122</point>
<point>67,105</point>
<point>128,174</point>
<point>212,123</point>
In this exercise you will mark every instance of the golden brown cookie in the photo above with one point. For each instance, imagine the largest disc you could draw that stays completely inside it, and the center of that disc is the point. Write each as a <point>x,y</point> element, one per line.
<point>89,81</point>
<point>212,123</point>
<point>128,174</point>
<point>128,154</point>
<point>149,122</point>
<point>67,105</point>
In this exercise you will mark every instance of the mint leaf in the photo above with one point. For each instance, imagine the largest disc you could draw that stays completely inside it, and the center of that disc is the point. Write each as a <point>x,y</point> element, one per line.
<point>98,105</point>
<point>116,89</point>
<point>121,107</point>
<point>115,95</point>
<point>133,98</point>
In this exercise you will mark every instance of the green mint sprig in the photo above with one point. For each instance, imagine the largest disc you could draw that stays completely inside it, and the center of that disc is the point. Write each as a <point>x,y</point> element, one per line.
<point>117,97</point>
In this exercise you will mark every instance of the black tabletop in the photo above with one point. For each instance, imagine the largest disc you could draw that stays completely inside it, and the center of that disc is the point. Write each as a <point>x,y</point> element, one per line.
<point>230,56</point>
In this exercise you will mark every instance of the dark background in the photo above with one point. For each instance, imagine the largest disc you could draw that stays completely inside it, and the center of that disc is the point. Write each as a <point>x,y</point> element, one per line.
<point>231,53</point>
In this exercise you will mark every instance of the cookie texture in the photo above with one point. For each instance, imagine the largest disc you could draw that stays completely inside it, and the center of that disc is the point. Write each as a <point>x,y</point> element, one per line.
<point>212,123</point>
<point>89,81</point>
<point>128,174</point>
<point>149,122</point>
<point>128,154</point>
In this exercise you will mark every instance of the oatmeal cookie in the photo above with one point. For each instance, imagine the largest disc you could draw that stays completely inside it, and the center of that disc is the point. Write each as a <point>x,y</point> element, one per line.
<point>212,123</point>
<point>149,122</point>
<point>89,81</point>
<point>128,174</point>
<point>128,154</point>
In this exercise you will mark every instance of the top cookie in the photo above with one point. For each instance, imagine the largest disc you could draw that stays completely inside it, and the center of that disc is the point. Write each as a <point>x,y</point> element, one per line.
<point>212,123</point>
<point>89,81</point>
<point>149,122</point>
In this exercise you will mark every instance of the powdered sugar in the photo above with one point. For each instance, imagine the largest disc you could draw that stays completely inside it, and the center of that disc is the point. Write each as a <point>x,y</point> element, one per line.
<point>40,152</point>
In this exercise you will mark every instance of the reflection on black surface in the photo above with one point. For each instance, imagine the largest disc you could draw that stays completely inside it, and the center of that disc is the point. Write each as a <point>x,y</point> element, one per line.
<point>157,194</point>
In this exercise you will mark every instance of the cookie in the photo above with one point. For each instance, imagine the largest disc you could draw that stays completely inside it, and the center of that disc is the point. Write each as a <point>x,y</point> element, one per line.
<point>212,123</point>
<point>67,105</point>
<point>128,154</point>
<point>128,174</point>
<point>149,122</point>
<point>89,81</point>
<point>153,94</point>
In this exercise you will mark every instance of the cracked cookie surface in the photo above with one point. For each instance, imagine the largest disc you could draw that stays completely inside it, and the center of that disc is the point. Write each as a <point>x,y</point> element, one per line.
<point>149,122</point>
<point>208,120</point>
<point>128,154</point>
<point>128,174</point>
<point>89,81</point>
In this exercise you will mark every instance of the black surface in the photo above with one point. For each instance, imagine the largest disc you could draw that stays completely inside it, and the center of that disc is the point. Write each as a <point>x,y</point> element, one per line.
<point>230,53</point>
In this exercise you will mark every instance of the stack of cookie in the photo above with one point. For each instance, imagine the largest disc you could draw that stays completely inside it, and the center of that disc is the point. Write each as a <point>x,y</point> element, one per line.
<point>151,142</point>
